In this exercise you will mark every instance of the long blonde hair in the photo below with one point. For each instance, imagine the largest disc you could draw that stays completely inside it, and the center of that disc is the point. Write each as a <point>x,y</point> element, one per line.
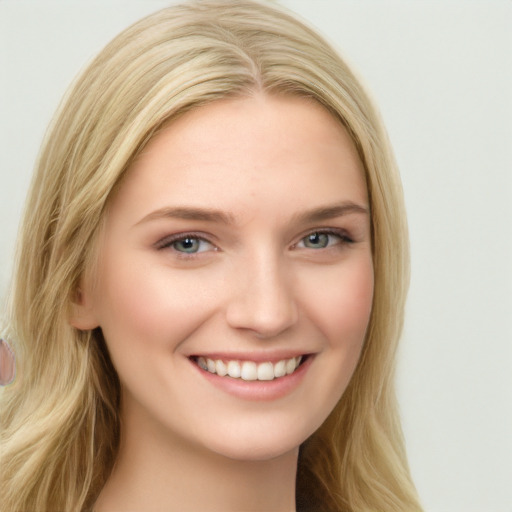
<point>59,427</point>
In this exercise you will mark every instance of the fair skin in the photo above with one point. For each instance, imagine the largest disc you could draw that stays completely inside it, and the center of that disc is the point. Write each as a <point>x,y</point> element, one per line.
<point>241,234</point>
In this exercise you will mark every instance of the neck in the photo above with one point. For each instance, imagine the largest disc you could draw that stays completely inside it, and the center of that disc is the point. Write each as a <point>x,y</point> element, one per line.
<point>155,472</point>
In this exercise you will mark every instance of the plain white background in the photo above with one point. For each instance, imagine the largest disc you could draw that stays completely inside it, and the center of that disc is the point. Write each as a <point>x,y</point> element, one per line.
<point>441,73</point>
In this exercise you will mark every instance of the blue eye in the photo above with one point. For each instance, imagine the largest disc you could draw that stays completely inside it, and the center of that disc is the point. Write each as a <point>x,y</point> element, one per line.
<point>185,244</point>
<point>190,245</point>
<point>316,240</point>
<point>323,239</point>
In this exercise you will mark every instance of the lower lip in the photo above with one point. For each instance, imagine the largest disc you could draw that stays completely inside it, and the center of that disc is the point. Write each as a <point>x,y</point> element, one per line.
<point>258,390</point>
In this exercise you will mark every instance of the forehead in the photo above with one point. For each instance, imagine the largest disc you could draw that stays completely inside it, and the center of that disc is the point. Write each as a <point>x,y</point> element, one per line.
<point>236,153</point>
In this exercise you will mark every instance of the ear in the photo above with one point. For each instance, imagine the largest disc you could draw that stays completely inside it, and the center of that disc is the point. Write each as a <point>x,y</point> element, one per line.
<point>82,315</point>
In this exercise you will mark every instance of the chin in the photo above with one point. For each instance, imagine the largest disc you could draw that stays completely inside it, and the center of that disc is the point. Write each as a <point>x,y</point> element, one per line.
<point>260,446</point>
<point>258,452</point>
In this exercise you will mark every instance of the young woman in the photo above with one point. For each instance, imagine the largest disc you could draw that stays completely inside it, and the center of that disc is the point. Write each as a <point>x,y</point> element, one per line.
<point>211,281</point>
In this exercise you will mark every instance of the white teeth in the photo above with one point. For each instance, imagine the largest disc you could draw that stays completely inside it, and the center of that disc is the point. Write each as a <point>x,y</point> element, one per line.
<point>266,371</point>
<point>280,369</point>
<point>234,369</point>
<point>249,370</point>
<point>211,365</point>
<point>221,368</point>
<point>291,364</point>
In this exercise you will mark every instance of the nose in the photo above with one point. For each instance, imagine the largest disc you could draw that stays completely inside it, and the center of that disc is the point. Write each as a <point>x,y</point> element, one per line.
<point>262,299</point>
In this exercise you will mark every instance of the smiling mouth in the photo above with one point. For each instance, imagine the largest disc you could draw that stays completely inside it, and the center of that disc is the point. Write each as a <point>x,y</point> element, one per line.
<point>250,370</point>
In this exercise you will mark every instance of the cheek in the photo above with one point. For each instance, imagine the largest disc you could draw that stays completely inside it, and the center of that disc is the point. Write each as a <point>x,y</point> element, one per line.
<point>342,306</point>
<point>146,306</point>
<point>340,310</point>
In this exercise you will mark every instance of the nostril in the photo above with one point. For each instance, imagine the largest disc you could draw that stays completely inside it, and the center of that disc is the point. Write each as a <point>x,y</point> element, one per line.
<point>263,295</point>
<point>265,318</point>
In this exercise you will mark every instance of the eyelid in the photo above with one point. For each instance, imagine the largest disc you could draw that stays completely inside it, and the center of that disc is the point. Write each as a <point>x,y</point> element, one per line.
<point>167,241</point>
<point>345,238</point>
<point>343,235</point>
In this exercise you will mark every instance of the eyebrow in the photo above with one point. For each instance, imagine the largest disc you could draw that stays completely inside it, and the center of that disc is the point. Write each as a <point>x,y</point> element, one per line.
<point>217,216</point>
<point>190,213</point>
<point>331,212</point>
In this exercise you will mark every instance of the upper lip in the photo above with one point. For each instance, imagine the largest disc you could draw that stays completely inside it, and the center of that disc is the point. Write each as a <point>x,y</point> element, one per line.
<point>257,357</point>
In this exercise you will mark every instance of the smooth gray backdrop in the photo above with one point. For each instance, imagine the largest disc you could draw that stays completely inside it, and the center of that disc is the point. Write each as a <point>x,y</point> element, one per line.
<point>441,74</point>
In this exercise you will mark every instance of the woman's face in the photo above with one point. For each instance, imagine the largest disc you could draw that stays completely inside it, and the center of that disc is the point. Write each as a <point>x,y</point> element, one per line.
<point>238,242</point>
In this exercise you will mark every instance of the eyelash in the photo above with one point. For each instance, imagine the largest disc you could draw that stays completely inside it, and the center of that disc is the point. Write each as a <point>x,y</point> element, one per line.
<point>167,242</point>
<point>341,234</point>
